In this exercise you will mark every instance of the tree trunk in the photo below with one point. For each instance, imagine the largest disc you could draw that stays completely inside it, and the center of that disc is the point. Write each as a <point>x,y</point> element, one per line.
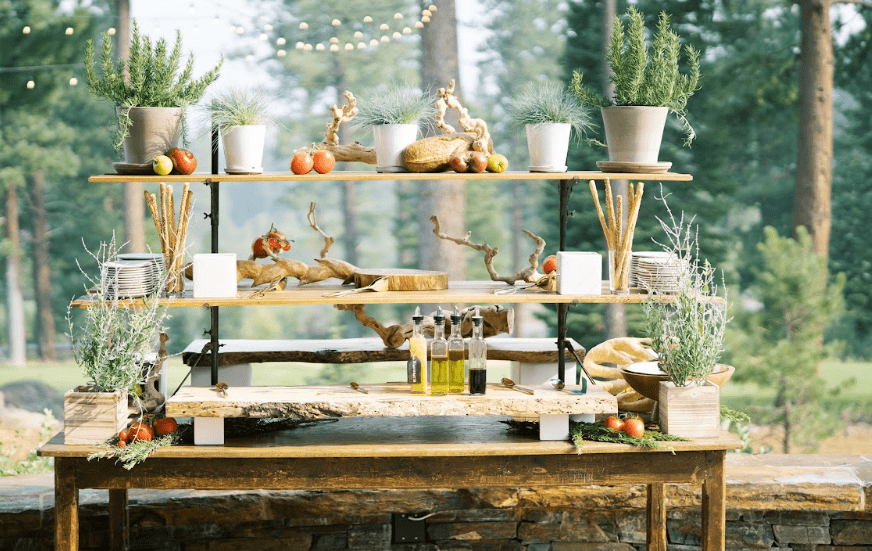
<point>134,202</point>
<point>446,199</point>
<point>14,299</point>
<point>45,326</point>
<point>811,201</point>
<point>615,317</point>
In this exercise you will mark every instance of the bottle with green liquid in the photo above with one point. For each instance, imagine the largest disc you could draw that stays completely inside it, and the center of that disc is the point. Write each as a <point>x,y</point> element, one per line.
<point>439,357</point>
<point>417,368</point>
<point>456,355</point>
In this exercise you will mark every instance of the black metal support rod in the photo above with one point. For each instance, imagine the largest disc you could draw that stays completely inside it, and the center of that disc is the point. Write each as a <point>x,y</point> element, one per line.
<point>213,218</point>
<point>565,191</point>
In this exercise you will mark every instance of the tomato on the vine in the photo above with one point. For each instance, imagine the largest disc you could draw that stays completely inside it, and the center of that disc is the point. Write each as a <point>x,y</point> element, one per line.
<point>634,426</point>
<point>613,423</point>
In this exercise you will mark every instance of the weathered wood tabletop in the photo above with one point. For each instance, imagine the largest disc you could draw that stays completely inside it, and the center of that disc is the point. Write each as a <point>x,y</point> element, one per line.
<point>388,453</point>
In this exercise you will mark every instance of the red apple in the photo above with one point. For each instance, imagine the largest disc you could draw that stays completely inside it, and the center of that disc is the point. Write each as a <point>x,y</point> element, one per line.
<point>460,162</point>
<point>478,161</point>
<point>184,161</point>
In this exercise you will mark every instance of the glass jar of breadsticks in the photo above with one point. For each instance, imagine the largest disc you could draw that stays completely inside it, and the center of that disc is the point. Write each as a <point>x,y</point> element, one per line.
<point>171,232</point>
<point>619,238</point>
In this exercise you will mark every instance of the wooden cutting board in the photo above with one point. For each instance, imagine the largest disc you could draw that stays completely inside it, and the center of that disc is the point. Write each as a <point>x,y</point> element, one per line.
<point>404,280</point>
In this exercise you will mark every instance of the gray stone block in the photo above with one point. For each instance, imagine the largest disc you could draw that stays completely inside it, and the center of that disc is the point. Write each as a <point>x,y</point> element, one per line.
<point>851,532</point>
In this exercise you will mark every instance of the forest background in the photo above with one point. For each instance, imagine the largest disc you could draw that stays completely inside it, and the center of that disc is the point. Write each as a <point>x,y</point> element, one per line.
<point>798,317</point>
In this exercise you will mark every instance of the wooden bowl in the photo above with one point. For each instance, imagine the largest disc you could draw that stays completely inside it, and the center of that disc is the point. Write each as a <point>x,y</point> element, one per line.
<point>648,385</point>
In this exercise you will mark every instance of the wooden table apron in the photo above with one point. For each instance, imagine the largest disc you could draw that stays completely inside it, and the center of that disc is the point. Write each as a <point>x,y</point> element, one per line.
<point>616,466</point>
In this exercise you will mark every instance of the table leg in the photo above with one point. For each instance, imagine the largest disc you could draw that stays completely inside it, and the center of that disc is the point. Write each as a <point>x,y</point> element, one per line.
<point>714,506</point>
<point>66,505</point>
<point>656,517</point>
<point>119,520</point>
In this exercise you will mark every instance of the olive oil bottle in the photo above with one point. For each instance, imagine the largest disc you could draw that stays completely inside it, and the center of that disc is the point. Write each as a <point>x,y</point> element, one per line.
<point>418,355</point>
<point>439,357</point>
<point>456,356</point>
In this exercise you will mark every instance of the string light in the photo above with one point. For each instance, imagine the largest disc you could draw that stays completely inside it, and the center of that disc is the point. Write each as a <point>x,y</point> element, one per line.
<point>69,31</point>
<point>299,45</point>
<point>385,39</point>
<point>426,13</point>
<point>361,45</point>
<point>358,34</point>
<point>303,25</point>
<point>25,30</point>
<point>334,47</point>
<point>268,27</point>
<point>419,25</point>
<point>432,7</point>
<point>336,22</point>
<point>425,19</point>
<point>407,30</point>
<point>281,53</point>
<point>384,27</point>
<point>397,35</point>
<point>249,58</point>
<point>264,37</point>
<point>398,16</point>
<point>373,42</point>
<point>334,40</point>
<point>307,48</point>
<point>74,81</point>
<point>367,19</point>
<point>349,47</point>
<point>30,84</point>
<point>240,30</point>
<point>320,47</point>
<point>280,41</point>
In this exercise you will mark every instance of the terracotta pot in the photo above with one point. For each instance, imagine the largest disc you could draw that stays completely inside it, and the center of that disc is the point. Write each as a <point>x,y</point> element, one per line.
<point>154,131</point>
<point>634,133</point>
<point>648,385</point>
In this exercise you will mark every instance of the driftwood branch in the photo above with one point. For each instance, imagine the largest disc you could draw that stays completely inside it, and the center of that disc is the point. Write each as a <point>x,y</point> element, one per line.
<point>497,320</point>
<point>528,274</point>
<point>476,127</point>
<point>344,153</point>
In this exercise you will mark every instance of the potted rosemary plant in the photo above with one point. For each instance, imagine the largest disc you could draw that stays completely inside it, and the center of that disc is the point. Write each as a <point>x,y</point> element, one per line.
<point>687,331</point>
<point>648,84</point>
<point>149,95</point>
<point>241,118</point>
<point>113,345</point>
<point>394,114</point>
<point>549,115</point>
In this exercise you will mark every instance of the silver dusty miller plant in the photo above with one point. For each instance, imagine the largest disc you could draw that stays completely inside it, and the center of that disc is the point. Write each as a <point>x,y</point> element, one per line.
<point>112,342</point>
<point>687,328</point>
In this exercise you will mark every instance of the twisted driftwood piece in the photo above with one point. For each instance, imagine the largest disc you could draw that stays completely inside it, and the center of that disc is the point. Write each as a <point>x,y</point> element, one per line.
<point>344,153</point>
<point>497,320</point>
<point>276,274</point>
<point>528,274</point>
<point>476,127</point>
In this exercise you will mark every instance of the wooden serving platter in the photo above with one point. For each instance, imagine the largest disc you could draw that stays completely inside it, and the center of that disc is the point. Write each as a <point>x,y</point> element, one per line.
<point>403,280</point>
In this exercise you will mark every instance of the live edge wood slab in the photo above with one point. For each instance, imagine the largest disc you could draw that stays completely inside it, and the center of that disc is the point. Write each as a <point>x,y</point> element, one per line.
<point>382,400</point>
<point>389,453</point>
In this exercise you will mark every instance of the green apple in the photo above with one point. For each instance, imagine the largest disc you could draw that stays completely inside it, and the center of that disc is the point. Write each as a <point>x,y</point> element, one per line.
<point>497,163</point>
<point>162,165</point>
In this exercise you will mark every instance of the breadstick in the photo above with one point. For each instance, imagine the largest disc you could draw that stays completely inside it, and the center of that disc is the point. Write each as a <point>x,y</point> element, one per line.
<point>633,217</point>
<point>184,219</point>
<point>171,216</point>
<point>151,201</point>
<point>610,211</point>
<point>599,212</point>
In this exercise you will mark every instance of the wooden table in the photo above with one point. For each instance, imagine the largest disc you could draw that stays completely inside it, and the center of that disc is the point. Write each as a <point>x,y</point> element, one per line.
<point>395,453</point>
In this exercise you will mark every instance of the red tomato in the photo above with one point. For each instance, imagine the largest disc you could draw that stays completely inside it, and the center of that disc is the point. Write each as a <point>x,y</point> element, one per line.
<point>614,423</point>
<point>550,264</point>
<point>634,426</point>
<point>324,161</point>
<point>122,443</point>
<point>140,431</point>
<point>122,436</point>
<point>302,162</point>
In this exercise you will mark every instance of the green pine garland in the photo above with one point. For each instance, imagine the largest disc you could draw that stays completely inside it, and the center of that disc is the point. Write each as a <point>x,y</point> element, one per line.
<point>598,432</point>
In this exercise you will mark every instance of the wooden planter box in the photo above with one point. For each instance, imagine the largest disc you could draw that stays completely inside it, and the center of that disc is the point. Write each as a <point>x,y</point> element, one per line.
<point>93,417</point>
<point>690,411</point>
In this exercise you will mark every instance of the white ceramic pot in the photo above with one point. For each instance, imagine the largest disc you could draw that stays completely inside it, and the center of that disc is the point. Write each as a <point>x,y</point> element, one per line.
<point>633,134</point>
<point>548,144</point>
<point>390,142</point>
<point>153,132</point>
<point>243,148</point>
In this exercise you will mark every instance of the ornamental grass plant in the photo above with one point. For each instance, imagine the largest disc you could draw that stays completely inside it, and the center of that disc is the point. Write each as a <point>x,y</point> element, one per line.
<point>397,104</point>
<point>113,342</point>
<point>548,102</point>
<point>687,327</point>
<point>236,107</point>
<point>643,75</point>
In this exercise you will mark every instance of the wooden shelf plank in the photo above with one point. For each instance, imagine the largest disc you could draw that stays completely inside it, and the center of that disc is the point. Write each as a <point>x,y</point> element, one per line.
<point>401,176</point>
<point>383,400</point>
<point>397,437</point>
<point>460,292</point>
<point>360,350</point>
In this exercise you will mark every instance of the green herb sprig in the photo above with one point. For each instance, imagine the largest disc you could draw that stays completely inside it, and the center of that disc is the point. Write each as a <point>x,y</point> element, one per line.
<point>598,432</point>
<point>135,452</point>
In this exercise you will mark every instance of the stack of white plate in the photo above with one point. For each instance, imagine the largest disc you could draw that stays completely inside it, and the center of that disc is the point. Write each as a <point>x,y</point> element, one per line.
<point>655,271</point>
<point>132,275</point>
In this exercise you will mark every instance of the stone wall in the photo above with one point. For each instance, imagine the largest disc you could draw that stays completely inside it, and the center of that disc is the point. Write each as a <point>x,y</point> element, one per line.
<point>799,502</point>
